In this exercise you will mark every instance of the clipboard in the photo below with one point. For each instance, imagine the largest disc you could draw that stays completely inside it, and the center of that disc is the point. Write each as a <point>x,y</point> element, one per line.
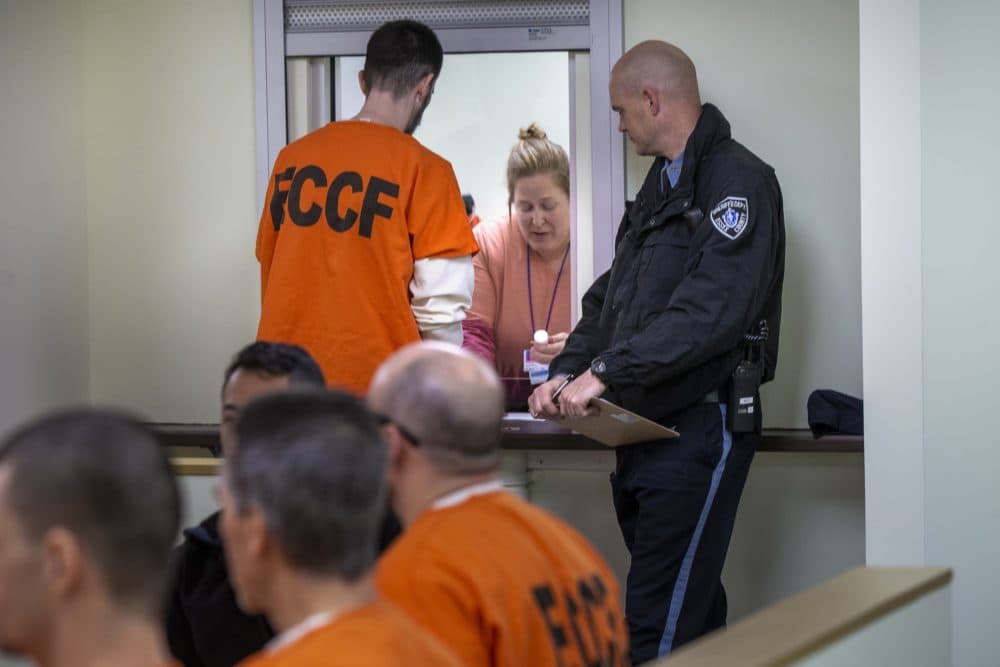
<point>615,426</point>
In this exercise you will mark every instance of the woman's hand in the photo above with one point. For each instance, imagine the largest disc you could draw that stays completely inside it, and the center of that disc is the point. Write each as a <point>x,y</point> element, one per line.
<point>543,353</point>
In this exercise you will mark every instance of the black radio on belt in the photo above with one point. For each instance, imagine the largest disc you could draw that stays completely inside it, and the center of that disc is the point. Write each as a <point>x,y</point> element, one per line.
<point>742,409</point>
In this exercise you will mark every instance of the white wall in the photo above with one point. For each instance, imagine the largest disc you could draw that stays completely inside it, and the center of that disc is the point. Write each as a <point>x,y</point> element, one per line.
<point>481,102</point>
<point>933,495</point>
<point>891,278</point>
<point>582,157</point>
<point>801,522</point>
<point>43,270</point>
<point>917,635</point>
<point>960,93</point>
<point>173,288</point>
<point>785,73</point>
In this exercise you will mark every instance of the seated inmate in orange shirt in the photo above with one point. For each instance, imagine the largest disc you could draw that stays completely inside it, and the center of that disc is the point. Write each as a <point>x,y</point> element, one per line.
<point>499,581</point>
<point>504,583</point>
<point>376,635</point>
<point>302,495</point>
<point>89,509</point>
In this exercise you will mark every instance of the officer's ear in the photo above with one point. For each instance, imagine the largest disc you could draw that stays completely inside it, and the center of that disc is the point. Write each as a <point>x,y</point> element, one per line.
<point>362,83</point>
<point>651,100</point>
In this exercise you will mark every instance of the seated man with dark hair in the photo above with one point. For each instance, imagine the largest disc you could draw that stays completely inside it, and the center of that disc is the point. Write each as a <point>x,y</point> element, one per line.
<point>89,510</point>
<point>205,627</point>
<point>303,496</point>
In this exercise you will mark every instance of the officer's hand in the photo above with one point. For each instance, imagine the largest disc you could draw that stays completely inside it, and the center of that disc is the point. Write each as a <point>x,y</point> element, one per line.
<point>540,402</point>
<point>543,353</point>
<point>574,401</point>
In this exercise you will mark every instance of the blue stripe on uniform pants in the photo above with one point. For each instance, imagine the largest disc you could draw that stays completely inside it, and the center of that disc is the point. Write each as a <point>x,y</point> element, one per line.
<point>680,585</point>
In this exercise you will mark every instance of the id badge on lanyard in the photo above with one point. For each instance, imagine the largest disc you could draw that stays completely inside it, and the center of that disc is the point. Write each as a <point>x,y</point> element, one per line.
<point>539,372</point>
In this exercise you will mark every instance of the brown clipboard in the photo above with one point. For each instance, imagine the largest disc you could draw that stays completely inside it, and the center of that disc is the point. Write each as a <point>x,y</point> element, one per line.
<point>615,426</point>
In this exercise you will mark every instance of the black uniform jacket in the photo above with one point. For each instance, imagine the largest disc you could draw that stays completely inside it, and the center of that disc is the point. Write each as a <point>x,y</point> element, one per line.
<point>205,627</point>
<point>695,268</point>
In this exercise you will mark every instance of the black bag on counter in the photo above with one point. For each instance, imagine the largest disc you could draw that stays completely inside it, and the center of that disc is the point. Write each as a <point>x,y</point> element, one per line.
<point>833,413</point>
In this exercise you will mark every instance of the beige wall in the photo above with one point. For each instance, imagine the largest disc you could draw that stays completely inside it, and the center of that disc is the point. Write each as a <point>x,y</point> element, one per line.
<point>170,200</point>
<point>785,73</point>
<point>43,226</point>
<point>43,269</point>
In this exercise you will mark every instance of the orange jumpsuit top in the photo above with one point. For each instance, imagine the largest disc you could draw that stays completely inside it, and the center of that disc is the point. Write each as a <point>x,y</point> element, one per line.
<point>375,635</point>
<point>505,584</point>
<point>349,208</point>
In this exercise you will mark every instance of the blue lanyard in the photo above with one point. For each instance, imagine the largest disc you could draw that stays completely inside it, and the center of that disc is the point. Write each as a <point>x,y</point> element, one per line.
<point>552,302</point>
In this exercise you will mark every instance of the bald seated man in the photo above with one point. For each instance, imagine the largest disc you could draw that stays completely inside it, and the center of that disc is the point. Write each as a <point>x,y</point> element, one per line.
<point>89,510</point>
<point>696,277</point>
<point>500,581</point>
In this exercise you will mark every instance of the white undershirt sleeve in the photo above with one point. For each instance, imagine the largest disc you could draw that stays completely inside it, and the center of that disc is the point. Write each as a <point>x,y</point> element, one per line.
<point>441,292</point>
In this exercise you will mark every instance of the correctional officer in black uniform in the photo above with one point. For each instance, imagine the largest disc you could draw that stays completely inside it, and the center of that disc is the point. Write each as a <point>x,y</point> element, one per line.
<point>699,262</point>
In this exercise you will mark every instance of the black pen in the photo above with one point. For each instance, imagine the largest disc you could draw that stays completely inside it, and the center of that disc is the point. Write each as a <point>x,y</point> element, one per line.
<point>555,395</point>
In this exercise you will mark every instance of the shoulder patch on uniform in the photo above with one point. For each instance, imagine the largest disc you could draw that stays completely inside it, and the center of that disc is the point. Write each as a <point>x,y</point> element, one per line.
<point>730,216</point>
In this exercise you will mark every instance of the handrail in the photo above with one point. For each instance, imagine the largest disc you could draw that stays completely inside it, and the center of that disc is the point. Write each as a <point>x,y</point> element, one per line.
<point>810,621</point>
<point>201,466</point>
<point>526,434</point>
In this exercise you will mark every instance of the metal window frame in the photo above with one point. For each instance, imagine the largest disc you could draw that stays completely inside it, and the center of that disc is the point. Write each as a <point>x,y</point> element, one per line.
<point>366,15</point>
<point>602,38</point>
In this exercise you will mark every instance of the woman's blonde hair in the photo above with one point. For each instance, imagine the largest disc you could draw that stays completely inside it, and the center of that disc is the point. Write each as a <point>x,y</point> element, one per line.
<point>534,154</point>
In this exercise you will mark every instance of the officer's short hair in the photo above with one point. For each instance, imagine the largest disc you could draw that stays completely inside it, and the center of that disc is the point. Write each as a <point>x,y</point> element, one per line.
<point>399,55</point>
<point>103,477</point>
<point>313,463</point>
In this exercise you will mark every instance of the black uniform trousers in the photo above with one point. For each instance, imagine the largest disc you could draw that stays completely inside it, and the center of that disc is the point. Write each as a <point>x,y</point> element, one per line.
<point>676,502</point>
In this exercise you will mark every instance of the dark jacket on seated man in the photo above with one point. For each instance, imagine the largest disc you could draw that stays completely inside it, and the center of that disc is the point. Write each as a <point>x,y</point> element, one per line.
<point>205,626</point>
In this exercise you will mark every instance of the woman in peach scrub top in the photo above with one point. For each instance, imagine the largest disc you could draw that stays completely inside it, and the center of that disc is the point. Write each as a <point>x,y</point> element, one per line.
<point>523,269</point>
